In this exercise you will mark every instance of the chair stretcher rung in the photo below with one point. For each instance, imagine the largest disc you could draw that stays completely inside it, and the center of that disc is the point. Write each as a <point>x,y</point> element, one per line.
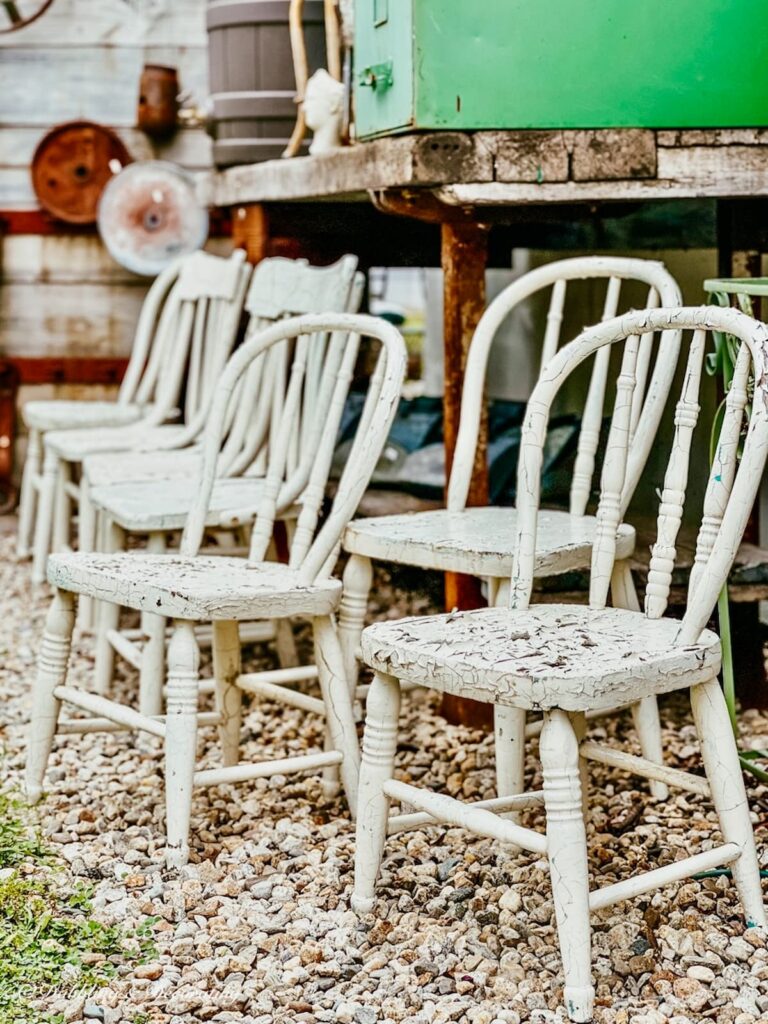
<point>264,769</point>
<point>478,820</point>
<point>499,805</point>
<point>86,725</point>
<point>534,728</point>
<point>109,709</point>
<point>125,647</point>
<point>282,694</point>
<point>650,880</point>
<point>644,768</point>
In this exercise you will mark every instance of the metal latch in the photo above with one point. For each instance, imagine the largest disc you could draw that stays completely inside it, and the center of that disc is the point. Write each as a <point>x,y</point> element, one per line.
<point>376,76</point>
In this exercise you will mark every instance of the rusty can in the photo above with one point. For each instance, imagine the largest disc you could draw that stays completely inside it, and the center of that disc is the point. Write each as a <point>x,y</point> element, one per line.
<point>158,100</point>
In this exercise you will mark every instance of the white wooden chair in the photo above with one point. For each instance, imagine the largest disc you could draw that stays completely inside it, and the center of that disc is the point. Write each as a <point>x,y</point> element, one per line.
<point>480,541</point>
<point>135,396</point>
<point>151,509</point>
<point>189,587</point>
<point>200,322</point>
<point>568,660</point>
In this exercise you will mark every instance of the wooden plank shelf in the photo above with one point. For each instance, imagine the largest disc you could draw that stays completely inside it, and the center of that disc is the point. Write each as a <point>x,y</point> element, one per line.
<point>500,168</point>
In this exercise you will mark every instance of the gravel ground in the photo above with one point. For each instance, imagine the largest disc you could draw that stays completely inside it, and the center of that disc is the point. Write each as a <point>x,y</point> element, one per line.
<point>258,928</point>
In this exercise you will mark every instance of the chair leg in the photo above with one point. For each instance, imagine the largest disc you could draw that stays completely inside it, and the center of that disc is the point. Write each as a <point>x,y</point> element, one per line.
<point>180,739</point>
<point>358,578</point>
<point>379,744</point>
<point>51,672</point>
<point>567,852</point>
<point>339,716</point>
<point>285,644</point>
<point>44,519</point>
<point>108,619</point>
<point>226,669</point>
<point>28,496</point>
<point>721,761</point>
<point>645,714</point>
<point>86,543</point>
<point>151,670</point>
<point>509,728</point>
<point>62,509</point>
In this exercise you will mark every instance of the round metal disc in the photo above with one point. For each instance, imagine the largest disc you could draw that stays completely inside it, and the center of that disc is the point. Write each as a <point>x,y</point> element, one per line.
<point>149,214</point>
<point>72,164</point>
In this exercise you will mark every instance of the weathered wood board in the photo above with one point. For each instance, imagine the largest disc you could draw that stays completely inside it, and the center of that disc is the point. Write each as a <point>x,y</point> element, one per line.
<point>519,167</point>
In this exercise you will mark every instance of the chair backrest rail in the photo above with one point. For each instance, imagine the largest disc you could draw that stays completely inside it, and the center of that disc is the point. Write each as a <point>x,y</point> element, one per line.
<point>731,489</point>
<point>648,400</point>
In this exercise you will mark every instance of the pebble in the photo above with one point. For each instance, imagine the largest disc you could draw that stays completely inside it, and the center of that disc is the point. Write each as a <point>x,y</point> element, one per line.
<point>257,928</point>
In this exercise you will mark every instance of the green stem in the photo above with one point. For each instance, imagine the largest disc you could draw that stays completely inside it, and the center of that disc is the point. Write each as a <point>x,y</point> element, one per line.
<point>729,681</point>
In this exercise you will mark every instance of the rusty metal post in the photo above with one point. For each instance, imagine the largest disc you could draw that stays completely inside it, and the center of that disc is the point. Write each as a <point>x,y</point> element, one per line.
<point>250,231</point>
<point>464,254</point>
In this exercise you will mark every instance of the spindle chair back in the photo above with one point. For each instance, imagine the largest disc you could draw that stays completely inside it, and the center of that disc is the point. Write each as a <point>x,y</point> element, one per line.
<point>649,395</point>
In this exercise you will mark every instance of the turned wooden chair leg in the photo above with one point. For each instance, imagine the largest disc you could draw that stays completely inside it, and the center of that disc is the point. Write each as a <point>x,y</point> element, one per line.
<point>377,767</point>
<point>226,669</point>
<point>339,716</point>
<point>108,619</point>
<point>578,720</point>
<point>28,495</point>
<point>180,739</point>
<point>44,519</point>
<point>358,578</point>
<point>51,672</point>
<point>567,853</point>
<point>721,761</point>
<point>645,714</point>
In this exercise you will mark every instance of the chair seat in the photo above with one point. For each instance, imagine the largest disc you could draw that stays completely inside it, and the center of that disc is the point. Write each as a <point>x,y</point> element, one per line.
<point>194,587</point>
<point>549,656</point>
<point>152,505</point>
<point>102,468</point>
<point>479,541</point>
<point>55,414</point>
<point>74,445</point>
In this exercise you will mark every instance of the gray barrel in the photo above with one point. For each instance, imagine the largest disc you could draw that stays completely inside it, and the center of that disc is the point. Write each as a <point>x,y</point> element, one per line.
<point>251,75</point>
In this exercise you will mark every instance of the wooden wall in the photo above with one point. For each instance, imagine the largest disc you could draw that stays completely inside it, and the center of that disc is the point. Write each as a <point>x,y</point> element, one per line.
<point>61,294</point>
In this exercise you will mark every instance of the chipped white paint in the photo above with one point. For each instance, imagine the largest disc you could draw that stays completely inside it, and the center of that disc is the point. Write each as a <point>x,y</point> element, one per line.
<point>187,331</point>
<point>569,659</point>
<point>481,541</point>
<point>189,587</point>
<point>546,656</point>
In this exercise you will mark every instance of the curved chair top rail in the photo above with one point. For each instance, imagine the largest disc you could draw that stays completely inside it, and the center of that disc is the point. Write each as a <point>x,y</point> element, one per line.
<point>312,550</point>
<point>732,486</point>
<point>648,405</point>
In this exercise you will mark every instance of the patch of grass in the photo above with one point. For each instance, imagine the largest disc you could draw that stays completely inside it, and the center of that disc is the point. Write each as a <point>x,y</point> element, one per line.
<point>19,839</point>
<point>50,945</point>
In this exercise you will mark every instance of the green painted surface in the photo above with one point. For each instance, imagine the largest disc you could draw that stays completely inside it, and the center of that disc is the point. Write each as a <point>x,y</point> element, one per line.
<point>563,64</point>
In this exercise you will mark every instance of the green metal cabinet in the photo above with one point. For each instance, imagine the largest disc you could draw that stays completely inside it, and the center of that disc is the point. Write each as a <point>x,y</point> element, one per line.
<point>463,64</point>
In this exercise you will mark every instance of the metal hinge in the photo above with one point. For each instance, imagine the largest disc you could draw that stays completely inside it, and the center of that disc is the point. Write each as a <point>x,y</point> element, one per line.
<point>376,76</point>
